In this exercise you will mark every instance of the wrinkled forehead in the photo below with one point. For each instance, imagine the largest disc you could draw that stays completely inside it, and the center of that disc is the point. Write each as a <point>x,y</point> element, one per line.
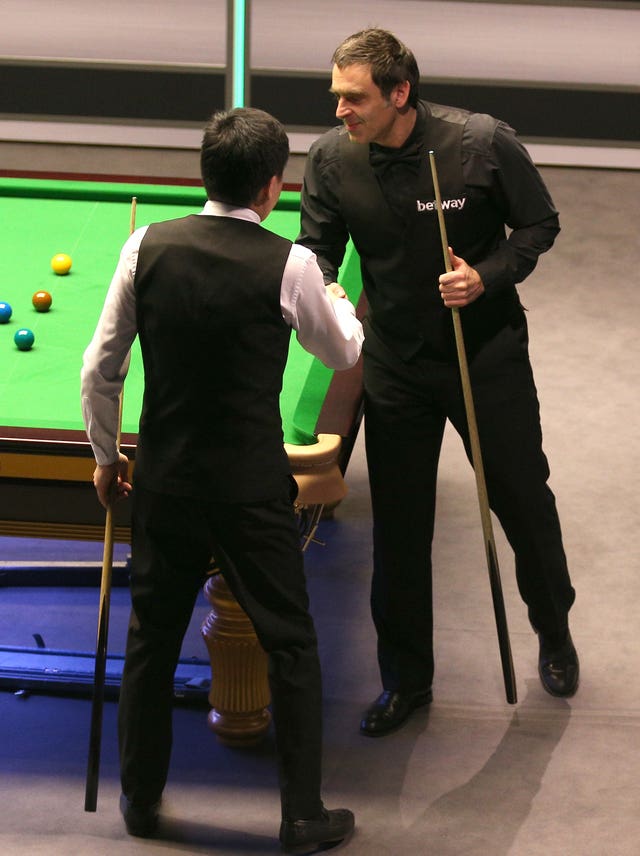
<point>352,80</point>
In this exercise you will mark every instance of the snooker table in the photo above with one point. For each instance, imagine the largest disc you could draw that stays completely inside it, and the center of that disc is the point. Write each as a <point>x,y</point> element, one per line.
<point>46,463</point>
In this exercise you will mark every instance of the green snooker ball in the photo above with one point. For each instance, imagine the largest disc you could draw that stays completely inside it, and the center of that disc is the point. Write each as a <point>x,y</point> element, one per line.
<point>24,339</point>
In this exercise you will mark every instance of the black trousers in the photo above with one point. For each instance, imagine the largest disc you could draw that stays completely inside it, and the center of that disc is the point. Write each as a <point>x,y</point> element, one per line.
<point>406,408</point>
<point>258,549</point>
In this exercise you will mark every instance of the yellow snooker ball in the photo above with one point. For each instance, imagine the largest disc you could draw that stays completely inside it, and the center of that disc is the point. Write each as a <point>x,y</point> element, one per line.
<point>61,263</point>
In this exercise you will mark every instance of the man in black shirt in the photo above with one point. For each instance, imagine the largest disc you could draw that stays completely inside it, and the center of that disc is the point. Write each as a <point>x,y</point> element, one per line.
<point>370,180</point>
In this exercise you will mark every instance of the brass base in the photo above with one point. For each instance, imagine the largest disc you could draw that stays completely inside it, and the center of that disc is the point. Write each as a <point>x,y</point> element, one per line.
<point>239,692</point>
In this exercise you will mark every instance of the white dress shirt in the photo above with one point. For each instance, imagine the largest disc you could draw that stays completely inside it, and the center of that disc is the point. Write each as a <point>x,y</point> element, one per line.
<point>327,329</point>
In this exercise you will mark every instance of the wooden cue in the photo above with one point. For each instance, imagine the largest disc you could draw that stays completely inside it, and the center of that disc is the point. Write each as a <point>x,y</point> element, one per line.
<point>95,736</point>
<point>476,457</point>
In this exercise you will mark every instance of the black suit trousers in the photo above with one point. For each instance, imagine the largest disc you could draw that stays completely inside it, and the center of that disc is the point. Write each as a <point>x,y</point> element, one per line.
<point>406,408</point>
<point>257,547</point>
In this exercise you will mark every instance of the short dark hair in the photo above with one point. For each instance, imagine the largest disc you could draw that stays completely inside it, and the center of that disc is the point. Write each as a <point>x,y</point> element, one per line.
<point>242,149</point>
<point>391,62</point>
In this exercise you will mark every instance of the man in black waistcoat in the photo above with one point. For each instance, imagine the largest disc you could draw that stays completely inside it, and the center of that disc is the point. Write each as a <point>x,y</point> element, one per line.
<point>370,179</point>
<point>213,298</point>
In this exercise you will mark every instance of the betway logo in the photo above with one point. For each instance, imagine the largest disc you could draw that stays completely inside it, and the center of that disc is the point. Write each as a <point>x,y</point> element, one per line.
<point>446,204</point>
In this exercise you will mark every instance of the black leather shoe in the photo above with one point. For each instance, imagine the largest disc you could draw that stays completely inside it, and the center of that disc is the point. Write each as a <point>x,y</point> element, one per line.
<point>558,667</point>
<point>304,836</point>
<point>140,820</point>
<point>391,710</point>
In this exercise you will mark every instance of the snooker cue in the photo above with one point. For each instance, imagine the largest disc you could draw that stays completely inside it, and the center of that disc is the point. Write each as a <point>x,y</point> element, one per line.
<point>95,735</point>
<point>476,457</point>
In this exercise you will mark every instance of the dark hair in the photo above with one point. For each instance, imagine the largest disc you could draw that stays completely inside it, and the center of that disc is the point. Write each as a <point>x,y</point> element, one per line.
<point>242,149</point>
<point>391,62</point>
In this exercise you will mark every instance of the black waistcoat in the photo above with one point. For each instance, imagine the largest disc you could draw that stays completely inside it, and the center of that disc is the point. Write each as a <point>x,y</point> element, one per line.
<point>401,249</point>
<point>214,347</point>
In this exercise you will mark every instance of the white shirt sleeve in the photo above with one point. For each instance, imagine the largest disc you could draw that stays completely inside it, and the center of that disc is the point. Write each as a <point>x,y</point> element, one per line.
<point>106,359</point>
<point>326,328</point>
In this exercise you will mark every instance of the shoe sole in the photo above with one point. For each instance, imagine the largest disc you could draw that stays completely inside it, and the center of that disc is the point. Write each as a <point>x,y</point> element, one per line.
<point>427,701</point>
<point>315,846</point>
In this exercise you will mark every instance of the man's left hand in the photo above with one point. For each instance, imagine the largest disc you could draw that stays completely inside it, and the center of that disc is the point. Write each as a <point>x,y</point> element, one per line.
<point>111,481</point>
<point>335,291</point>
<point>460,286</point>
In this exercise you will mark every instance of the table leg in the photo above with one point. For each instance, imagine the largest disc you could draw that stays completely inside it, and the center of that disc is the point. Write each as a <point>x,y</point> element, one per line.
<point>239,694</point>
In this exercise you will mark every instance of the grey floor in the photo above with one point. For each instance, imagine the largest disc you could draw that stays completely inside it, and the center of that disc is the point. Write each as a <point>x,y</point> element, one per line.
<point>472,776</point>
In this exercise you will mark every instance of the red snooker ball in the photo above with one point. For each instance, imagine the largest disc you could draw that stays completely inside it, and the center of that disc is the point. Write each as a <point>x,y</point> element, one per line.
<point>42,301</point>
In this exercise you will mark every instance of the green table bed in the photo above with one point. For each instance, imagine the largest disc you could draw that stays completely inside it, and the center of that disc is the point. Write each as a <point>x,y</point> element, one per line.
<point>45,461</point>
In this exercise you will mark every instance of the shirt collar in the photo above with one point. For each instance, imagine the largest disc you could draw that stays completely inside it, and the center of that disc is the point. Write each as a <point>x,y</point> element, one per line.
<point>213,208</point>
<point>411,146</point>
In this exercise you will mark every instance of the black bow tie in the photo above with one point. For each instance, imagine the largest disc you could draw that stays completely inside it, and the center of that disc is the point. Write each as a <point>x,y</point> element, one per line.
<point>383,159</point>
<point>397,172</point>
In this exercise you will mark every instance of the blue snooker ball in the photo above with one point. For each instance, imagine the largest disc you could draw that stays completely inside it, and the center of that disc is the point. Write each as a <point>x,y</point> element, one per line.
<point>5,312</point>
<point>24,339</point>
